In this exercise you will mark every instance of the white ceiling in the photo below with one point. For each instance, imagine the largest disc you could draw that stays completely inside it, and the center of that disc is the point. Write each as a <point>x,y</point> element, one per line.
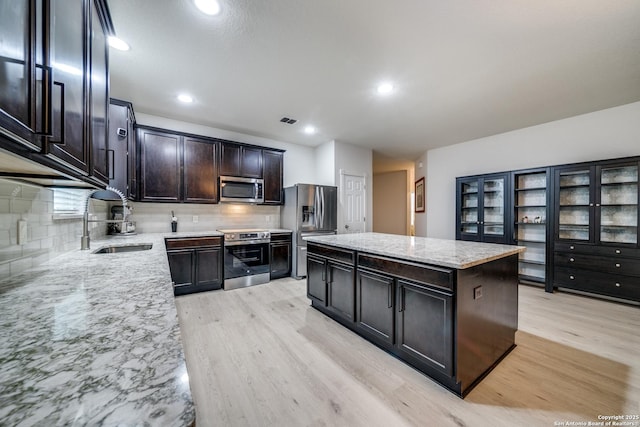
<point>462,69</point>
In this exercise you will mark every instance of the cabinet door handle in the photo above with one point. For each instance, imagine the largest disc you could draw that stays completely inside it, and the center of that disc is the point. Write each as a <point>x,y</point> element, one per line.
<point>618,285</point>
<point>617,265</point>
<point>590,204</point>
<point>47,96</point>
<point>572,277</point>
<point>62,114</point>
<point>618,251</point>
<point>598,205</point>
<point>401,302</point>
<point>389,296</point>
<point>111,167</point>
<point>571,259</point>
<point>572,247</point>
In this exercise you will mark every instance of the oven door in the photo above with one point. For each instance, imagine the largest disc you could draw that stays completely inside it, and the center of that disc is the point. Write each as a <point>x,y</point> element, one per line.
<point>245,259</point>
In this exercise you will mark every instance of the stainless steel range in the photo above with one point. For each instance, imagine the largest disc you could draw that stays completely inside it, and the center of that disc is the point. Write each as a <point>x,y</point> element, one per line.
<point>246,257</point>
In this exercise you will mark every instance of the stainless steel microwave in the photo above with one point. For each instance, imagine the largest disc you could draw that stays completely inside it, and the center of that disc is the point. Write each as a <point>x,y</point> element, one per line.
<point>241,190</point>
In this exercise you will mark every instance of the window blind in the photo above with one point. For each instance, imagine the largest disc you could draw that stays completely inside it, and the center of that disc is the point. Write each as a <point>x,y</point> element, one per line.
<point>69,200</point>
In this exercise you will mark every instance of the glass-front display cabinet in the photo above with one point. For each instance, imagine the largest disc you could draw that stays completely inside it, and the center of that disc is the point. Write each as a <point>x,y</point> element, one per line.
<point>598,204</point>
<point>481,207</point>
<point>531,203</point>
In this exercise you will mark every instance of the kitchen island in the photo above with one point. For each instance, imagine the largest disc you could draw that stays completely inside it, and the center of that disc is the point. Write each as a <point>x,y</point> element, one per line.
<point>94,339</point>
<point>448,308</point>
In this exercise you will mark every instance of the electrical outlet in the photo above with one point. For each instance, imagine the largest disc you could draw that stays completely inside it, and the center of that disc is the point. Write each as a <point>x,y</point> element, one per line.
<point>22,231</point>
<point>195,219</point>
<point>267,218</point>
<point>477,292</point>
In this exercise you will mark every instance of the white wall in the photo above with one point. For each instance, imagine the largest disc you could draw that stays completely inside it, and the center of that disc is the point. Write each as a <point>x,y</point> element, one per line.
<point>605,134</point>
<point>325,161</point>
<point>299,164</point>
<point>355,160</point>
<point>420,169</point>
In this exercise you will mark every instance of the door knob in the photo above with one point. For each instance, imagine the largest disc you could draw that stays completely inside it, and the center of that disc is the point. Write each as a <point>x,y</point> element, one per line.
<point>346,226</point>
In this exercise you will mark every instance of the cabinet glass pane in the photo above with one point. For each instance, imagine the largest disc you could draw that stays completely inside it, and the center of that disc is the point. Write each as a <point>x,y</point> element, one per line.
<point>574,210</point>
<point>493,207</point>
<point>469,211</point>
<point>619,205</point>
<point>14,53</point>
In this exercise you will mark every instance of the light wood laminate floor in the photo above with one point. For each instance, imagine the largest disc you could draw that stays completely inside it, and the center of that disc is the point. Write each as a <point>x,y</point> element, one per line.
<point>261,356</point>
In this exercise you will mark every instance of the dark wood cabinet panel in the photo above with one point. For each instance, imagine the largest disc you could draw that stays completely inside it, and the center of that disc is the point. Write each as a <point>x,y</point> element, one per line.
<point>340,285</point>
<point>181,264</point>
<point>375,304</point>
<point>425,326</point>
<point>272,174</point>
<point>160,167</point>
<point>99,95</point>
<point>316,280</point>
<point>240,160</point>
<point>280,255</point>
<point>69,85</point>
<point>196,263</point>
<point>200,171</point>
<point>23,74</point>
<point>208,262</point>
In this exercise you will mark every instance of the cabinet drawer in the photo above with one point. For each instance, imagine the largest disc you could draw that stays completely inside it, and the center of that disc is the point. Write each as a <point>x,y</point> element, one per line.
<point>192,242</point>
<point>342,255</point>
<point>612,251</point>
<point>435,276</point>
<point>614,285</point>
<point>280,237</point>
<point>615,265</point>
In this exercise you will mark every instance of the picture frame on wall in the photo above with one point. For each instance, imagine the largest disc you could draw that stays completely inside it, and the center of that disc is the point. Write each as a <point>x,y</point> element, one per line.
<point>419,195</point>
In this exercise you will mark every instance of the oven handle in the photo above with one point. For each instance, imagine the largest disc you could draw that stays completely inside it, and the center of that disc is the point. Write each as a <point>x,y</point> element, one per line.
<point>247,242</point>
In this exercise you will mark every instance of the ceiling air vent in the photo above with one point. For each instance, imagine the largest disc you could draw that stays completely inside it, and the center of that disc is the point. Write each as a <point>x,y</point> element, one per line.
<point>288,120</point>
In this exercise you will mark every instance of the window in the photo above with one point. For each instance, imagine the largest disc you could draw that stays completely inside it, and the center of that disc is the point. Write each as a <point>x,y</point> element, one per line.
<point>69,201</point>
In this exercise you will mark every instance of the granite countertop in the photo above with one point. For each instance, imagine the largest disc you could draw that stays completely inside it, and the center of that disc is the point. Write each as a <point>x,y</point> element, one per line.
<point>93,339</point>
<point>446,253</point>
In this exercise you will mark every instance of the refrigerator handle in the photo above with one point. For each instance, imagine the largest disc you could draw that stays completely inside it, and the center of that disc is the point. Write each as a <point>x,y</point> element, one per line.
<point>322,225</point>
<point>316,207</point>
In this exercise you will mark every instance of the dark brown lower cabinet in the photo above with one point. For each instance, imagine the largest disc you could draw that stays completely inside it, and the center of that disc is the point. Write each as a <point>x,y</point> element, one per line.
<point>454,325</point>
<point>374,306</point>
<point>432,345</point>
<point>196,264</point>
<point>280,255</point>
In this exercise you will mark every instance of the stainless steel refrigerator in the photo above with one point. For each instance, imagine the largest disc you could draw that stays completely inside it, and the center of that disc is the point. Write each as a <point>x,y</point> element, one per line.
<point>309,210</point>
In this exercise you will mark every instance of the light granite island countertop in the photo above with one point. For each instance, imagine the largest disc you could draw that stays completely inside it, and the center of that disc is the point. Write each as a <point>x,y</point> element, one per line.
<point>94,339</point>
<point>447,253</point>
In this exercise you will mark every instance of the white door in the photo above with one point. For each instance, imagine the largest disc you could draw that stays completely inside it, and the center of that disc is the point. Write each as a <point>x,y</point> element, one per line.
<point>353,203</point>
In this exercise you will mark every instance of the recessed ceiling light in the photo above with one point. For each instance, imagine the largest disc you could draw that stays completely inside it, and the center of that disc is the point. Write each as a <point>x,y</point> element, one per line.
<point>187,99</point>
<point>208,7</point>
<point>385,88</point>
<point>309,130</point>
<point>117,43</point>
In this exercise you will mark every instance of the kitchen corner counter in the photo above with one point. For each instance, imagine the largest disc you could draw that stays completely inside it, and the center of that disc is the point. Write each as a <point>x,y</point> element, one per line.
<point>447,253</point>
<point>94,339</point>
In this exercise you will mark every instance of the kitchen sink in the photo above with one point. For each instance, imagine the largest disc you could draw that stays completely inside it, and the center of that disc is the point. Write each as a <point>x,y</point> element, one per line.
<point>133,247</point>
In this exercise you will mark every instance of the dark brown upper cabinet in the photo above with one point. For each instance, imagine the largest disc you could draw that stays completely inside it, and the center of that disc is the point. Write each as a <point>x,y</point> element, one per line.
<point>240,160</point>
<point>54,84</point>
<point>272,174</point>
<point>23,75</point>
<point>177,168</point>
<point>160,166</point>
<point>200,171</point>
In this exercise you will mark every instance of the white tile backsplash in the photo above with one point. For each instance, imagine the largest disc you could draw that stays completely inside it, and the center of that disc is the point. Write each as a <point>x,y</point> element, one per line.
<point>46,237</point>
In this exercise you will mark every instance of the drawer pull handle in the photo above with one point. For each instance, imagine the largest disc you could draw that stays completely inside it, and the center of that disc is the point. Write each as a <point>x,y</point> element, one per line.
<point>571,259</point>
<point>572,277</point>
<point>617,285</point>
<point>572,247</point>
<point>618,265</point>
<point>618,251</point>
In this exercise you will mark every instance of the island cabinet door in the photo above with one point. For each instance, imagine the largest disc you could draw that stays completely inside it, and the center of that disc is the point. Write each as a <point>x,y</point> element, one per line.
<point>181,264</point>
<point>340,284</point>
<point>425,327</point>
<point>374,306</point>
<point>316,280</point>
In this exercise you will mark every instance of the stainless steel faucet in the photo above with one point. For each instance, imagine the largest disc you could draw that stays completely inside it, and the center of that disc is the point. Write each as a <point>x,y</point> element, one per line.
<point>85,241</point>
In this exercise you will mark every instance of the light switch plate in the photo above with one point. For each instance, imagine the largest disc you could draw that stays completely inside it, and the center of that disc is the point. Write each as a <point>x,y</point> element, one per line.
<point>195,218</point>
<point>22,231</point>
